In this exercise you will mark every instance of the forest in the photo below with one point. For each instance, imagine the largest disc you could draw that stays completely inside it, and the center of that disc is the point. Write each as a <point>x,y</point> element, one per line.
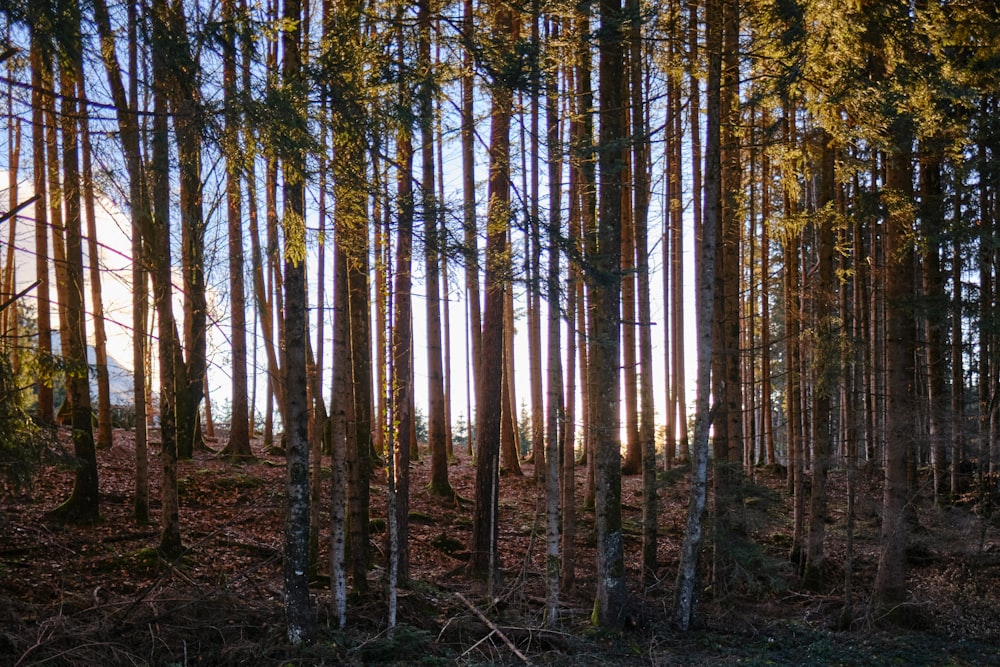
<point>614,332</point>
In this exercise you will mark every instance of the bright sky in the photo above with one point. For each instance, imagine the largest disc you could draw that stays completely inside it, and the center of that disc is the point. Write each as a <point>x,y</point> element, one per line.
<point>116,265</point>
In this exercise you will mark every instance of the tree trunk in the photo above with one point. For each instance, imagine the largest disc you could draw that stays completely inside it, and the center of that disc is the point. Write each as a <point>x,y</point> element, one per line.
<point>685,601</point>
<point>824,368</point>
<point>554,380</point>
<point>612,594</point>
<point>238,447</point>
<point>510,434</point>
<point>436,426</point>
<point>890,581</point>
<point>82,507</point>
<point>299,612</point>
<point>97,308</point>
<point>483,561</point>
<point>344,494</point>
<point>402,343</point>
<point>39,64</point>
<point>936,309</point>
<point>471,240</point>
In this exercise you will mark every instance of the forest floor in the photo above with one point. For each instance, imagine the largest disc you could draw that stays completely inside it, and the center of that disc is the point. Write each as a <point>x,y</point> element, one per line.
<point>102,595</point>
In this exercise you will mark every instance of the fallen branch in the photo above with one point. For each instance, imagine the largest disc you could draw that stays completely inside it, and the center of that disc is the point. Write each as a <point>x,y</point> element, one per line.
<point>492,626</point>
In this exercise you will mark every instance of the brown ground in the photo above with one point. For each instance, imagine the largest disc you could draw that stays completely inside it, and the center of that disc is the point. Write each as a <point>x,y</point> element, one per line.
<point>101,595</point>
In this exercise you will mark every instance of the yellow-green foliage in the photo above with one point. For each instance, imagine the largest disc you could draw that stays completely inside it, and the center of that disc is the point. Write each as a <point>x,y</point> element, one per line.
<point>21,441</point>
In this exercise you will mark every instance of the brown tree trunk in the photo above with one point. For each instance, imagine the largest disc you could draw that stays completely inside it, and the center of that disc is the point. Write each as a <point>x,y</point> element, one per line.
<point>483,561</point>
<point>510,434</point>
<point>890,581</point>
<point>82,507</point>
<point>471,241</point>
<point>93,254</point>
<point>402,344</point>
<point>238,446</point>
<point>436,426</point>
<point>604,305</point>
<point>299,613</point>
<point>824,368</point>
<point>39,64</point>
<point>936,309</point>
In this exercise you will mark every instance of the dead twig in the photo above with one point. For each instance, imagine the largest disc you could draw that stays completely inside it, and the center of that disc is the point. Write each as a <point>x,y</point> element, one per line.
<point>492,626</point>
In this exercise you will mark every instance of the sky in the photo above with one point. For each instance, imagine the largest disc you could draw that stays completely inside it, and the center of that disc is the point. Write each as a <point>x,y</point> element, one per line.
<point>113,231</point>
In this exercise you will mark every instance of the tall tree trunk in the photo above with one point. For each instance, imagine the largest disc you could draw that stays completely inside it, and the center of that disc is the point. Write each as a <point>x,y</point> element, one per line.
<point>93,254</point>
<point>483,561</point>
<point>40,63</point>
<point>890,581</point>
<point>936,309</point>
<point>341,489</point>
<point>143,235</point>
<point>554,380</point>
<point>685,601</point>
<point>640,170</point>
<point>609,607</point>
<point>471,239</point>
<point>567,494</point>
<point>957,365</point>
<point>238,447</point>
<point>298,605</point>
<point>436,426</point>
<point>82,505</point>
<point>402,342</point>
<point>824,368</point>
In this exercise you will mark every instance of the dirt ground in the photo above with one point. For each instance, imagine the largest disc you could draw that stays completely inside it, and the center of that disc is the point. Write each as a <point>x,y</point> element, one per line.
<point>103,596</point>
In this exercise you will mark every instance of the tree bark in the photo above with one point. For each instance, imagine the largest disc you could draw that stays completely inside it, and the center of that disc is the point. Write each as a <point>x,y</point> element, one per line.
<point>299,612</point>
<point>685,601</point>
<point>604,305</point>
<point>82,507</point>
<point>238,447</point>
<point>39,63</point>
<point>484,558</point>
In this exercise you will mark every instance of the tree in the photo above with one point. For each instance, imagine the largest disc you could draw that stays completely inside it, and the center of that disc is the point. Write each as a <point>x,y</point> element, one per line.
<point>687,571</point>
<point>555,410</point>
<point>238,447</point>
<point>83,504</point>
<point>298,605</point>
<point>483,561</point>
<point>605,280</point>
<point>437,436</point>
<point>39,63</point>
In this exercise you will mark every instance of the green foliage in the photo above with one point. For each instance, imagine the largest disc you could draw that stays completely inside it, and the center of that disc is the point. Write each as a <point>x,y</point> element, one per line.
<point>22,442</point>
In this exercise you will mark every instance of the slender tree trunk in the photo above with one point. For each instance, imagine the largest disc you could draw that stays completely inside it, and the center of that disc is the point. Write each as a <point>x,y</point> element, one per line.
<point>824,369</point>
<point>93,255</point>
<point>300,617</point>
<point>469,209</point>
<point>567,492</point>
<point>238,447</point>
<point>510,434</point>
<point>484,558</point>
<point>436,426</point>
<point>957,365</point>
<point>554,380</point>
<point>685,600</point>
<point>82,507</point>
<point>640,169</point>
<point>609,607</point>
<point>936,307</point>
<point>143,233</point>
<point>39,64</point>
<point>402,343</point>
<point>343,493</point>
